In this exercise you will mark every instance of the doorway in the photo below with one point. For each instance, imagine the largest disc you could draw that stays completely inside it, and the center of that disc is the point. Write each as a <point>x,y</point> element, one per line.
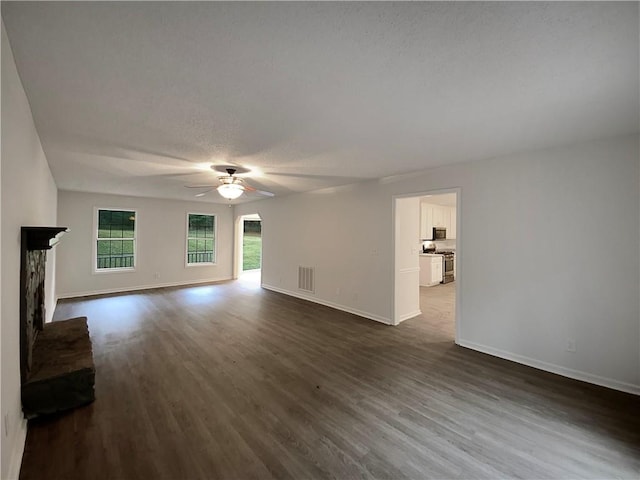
<point>251,244</point>
<point>248,247</point>
<point>433,295</point>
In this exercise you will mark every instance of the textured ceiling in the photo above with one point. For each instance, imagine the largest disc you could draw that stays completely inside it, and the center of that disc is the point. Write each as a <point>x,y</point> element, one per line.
<point>139,98</point>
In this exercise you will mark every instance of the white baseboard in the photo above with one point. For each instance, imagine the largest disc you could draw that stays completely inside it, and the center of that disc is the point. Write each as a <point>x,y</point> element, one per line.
<point>550,367</point>
<point>17,451</point>
<point>108,291</point>
<point>344,308</point>
<point>407,316</point>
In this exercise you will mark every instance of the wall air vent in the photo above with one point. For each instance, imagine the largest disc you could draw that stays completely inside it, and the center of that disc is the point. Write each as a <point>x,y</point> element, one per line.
<point>305,279</point>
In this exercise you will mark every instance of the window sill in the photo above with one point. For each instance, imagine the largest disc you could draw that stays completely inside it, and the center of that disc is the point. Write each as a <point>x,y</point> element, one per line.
<point>201,264</point>
<point>101,271</point>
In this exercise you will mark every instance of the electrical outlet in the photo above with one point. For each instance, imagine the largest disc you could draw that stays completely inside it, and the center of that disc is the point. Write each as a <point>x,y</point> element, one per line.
<point>156,275</point>
<point>571,345</point>
<point>338,291</point>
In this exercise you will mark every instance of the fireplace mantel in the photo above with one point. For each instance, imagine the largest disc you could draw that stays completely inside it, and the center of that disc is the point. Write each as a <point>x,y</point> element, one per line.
<point>42,238</point>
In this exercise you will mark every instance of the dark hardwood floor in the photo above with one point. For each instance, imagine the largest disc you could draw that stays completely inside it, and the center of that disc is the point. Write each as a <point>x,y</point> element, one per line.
<point>232,381</point>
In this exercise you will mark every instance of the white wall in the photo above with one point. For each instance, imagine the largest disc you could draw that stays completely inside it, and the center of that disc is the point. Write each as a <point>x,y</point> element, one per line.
<point>339,232</point>
<point>533,270</point>
<point>29,197</point>
<point>407,265</point>
<point>161,243</point>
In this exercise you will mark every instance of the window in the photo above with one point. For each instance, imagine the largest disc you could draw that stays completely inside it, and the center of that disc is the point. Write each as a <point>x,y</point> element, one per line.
<point>115,240</point>
<point>201,230</point>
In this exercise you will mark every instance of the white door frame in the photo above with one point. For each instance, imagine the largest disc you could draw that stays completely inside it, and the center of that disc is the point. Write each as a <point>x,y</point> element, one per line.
<point>238,256</point>
<point>459,250</point>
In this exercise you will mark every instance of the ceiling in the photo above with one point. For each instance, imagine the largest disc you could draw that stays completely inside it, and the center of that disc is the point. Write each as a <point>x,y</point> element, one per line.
<point>141,98</point>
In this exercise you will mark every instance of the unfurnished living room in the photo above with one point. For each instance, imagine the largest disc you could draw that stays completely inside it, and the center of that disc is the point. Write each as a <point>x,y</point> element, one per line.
<point>320,240</point>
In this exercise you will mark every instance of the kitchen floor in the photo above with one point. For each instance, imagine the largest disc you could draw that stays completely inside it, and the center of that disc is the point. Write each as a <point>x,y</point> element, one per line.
<point>438,304</point>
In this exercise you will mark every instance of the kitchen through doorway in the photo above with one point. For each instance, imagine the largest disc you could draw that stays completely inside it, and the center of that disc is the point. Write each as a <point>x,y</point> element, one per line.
<point>427,251</point>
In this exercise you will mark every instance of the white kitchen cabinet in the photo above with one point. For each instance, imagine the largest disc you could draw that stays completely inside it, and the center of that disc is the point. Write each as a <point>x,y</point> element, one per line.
<point>436,271</point>
<point>452,229</point>
<point>430,269</point>
<point>426,221</point>
<point>437,216</point>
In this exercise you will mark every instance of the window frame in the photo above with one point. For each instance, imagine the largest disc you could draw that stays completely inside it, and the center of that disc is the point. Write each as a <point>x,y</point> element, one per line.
<point>96,224</point>
<point>215,241</point>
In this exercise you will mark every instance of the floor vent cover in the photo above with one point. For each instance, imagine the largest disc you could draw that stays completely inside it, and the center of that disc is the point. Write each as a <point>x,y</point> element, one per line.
<point>305,279</point>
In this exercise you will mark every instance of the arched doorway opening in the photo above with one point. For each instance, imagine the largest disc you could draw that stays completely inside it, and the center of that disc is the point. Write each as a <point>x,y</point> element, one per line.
<point>249,246</point>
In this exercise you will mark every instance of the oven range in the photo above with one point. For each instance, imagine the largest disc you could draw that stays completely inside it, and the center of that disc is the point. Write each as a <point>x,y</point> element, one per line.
<point>447,265</point>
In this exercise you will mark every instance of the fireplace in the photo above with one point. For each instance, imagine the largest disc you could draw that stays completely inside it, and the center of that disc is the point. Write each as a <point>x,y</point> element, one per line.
<point>56,360</point>
<point>35,241</point>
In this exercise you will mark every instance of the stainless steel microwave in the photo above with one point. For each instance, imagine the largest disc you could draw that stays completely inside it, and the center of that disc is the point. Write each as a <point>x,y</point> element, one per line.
<point>439,233</point>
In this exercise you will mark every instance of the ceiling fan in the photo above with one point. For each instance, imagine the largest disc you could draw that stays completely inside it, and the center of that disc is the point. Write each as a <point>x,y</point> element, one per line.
<point>231,186</point>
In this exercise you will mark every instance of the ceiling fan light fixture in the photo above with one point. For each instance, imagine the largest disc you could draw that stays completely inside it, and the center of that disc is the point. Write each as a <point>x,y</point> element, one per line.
<point>230,191</point>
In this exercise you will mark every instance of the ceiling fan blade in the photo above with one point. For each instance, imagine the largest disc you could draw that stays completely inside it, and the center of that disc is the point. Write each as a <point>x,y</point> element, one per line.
<point>201,186</point>
<point>249,188</point>
<point>202,194</point>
